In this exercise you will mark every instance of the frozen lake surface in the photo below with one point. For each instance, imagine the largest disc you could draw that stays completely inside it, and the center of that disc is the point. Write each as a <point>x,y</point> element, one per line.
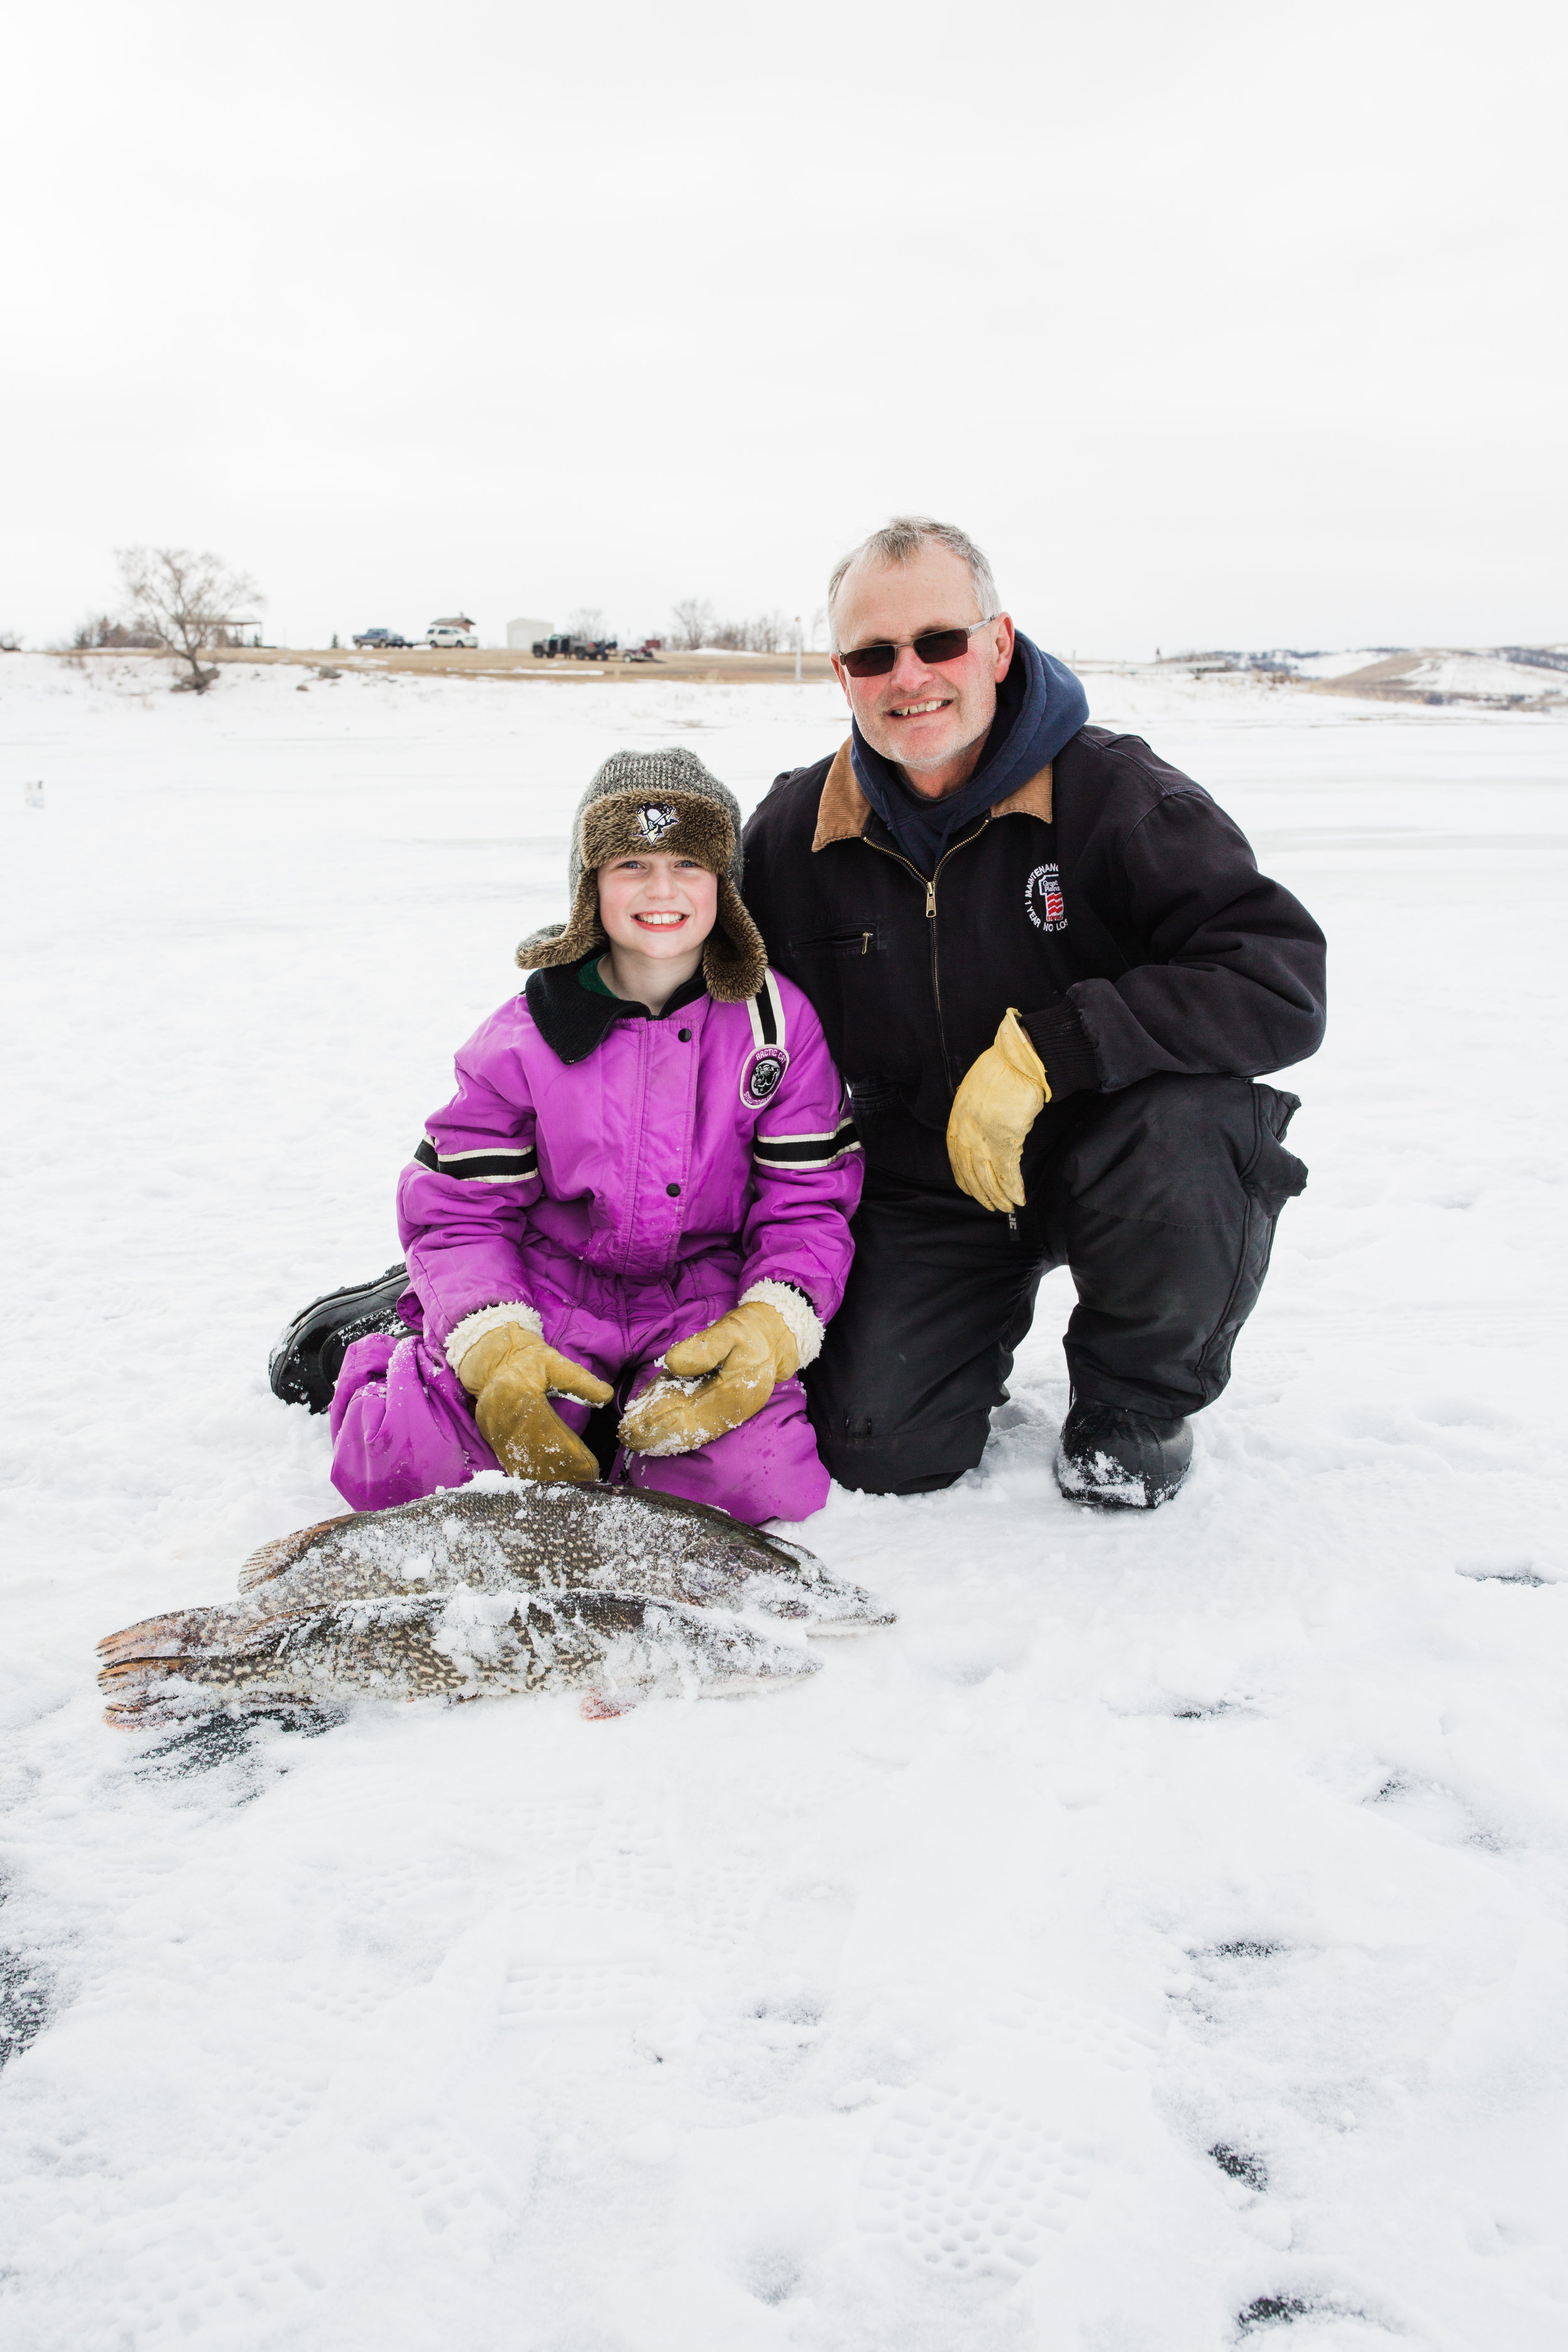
<point>1158,1936</point>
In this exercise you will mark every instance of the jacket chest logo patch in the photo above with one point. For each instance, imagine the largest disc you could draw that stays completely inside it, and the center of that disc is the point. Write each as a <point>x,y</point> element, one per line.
<point>657,819</point>
<point>1043,900</point>
<point>764,1076</point>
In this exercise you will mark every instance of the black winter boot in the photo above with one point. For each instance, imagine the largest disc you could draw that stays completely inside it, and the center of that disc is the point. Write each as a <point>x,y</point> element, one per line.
<point>1120,1459</point>
<point>303,1367</point>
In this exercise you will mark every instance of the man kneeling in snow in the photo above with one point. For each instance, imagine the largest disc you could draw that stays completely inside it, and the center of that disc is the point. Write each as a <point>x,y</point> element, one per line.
<point>1050,969</point>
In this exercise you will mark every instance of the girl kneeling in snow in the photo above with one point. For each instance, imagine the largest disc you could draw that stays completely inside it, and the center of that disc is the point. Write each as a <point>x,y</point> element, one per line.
<point>648,1157</point>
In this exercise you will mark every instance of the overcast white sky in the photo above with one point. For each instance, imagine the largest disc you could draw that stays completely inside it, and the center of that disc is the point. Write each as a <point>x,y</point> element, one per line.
<point>1226,324</point>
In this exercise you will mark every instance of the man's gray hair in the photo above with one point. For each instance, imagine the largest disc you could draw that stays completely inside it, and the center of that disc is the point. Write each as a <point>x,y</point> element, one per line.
<point>900,541</point>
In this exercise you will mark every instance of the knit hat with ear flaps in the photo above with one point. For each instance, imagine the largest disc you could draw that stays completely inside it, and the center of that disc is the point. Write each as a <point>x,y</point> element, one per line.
<point>665,801</point>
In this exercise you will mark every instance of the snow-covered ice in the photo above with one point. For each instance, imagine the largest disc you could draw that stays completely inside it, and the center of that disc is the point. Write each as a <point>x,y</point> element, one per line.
<point>1156,1937</point>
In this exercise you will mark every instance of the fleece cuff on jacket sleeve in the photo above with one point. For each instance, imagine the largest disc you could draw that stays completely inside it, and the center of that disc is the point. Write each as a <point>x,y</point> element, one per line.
<point>794,1308</point>
<point>462,1336</point>
<point>1062,1042</point>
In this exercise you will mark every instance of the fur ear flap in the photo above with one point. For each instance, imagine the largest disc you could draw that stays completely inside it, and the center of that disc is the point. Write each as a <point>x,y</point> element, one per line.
<point>560,943</point>
<point>734,960</point>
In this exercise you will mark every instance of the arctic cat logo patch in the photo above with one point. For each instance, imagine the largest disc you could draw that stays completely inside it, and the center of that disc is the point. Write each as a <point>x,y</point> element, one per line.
<point>657,819</point>
<point>1043,900</point>
<point>764,1074</point>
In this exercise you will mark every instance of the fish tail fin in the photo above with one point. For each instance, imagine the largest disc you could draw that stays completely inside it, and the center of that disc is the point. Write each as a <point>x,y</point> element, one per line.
<point>173,1635</point>
<point>142,1690</point>
<point>284,1550</point>
<point>198,1659</point>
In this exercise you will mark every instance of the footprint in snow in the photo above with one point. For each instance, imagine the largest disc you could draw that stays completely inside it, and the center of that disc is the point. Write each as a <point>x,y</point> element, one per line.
<point>1071,2025</point>
<point>969,2189</point>
<point>268,2110</point>
<point>457,2191</point>
<point>545,1998</point>
<point>212,2283</point>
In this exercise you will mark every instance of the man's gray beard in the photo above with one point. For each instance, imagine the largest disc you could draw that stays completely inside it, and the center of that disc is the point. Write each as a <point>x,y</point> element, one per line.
<point>909,771</point>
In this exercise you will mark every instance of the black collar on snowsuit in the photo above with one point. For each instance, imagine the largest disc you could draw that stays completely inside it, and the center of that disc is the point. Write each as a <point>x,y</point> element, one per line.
<point>575,1020</point>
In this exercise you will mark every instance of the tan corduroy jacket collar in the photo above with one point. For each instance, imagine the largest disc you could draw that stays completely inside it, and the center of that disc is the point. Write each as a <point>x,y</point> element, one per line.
<point>843,811</point>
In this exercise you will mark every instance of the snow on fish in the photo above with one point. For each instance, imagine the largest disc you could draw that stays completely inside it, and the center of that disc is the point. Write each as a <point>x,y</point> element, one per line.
<point>505,1535</point>
<point>615,1647</point>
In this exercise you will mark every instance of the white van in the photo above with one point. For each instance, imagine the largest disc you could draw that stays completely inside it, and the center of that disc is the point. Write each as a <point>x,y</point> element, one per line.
<point>454,630</point>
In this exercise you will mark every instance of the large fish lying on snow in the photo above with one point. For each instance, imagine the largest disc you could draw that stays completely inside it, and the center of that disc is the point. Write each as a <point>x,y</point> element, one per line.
<point>503,1587</point>
<point>615,1647</point>
<point>524,1536</point>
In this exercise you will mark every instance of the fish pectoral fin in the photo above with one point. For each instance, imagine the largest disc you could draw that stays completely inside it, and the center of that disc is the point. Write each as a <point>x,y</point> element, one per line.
<point>601,1706</point>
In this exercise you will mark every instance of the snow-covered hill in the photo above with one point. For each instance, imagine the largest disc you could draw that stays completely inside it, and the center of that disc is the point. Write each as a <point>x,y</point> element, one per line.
<point>1159,1935</point>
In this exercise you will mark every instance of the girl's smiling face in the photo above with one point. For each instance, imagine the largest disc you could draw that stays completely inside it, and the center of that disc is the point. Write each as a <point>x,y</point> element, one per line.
<point>658,906</point>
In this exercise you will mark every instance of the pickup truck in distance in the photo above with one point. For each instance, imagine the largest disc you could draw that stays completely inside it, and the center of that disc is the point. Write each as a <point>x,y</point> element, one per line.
<point>575,648</point>
<point>387,637</point>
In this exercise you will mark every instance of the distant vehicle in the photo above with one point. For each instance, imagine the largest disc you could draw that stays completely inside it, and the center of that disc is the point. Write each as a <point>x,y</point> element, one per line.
<point>575,648</point>
<point>370,637</point>
<point>453,629</point>
<point>649,650</point>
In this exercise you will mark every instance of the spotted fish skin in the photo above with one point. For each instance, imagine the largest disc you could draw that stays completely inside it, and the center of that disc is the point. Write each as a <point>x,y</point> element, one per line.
<point>458,1645</point>
<point>519,1535</point>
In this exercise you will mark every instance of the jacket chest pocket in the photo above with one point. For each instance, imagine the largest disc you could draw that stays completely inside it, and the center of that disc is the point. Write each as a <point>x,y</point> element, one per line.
<point>833,946</point>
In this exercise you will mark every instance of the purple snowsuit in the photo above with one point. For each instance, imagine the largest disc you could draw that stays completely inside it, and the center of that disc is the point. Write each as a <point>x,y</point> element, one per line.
<point>628,1195</point>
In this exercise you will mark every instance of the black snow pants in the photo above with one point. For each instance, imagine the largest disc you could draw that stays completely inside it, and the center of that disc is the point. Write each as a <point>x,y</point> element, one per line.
<point>1162,1199</point>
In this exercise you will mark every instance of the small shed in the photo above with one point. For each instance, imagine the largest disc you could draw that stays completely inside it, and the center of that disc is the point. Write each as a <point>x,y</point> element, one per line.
<point>522,637</point>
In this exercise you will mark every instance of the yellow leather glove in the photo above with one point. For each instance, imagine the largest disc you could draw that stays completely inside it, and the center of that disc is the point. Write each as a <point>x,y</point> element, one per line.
<point>1003,1094</point>
<point>506,1372</point>
<point>744,1355</point>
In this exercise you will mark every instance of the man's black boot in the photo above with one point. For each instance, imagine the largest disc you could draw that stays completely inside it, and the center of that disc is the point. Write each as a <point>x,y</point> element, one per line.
<point>303,1367</point>
<point>1120,1459</point>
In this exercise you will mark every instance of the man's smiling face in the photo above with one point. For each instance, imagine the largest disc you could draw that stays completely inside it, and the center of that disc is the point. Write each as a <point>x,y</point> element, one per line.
<point>931,719</point>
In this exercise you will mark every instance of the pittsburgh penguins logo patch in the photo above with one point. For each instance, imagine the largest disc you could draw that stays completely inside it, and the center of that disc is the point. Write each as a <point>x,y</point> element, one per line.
<point>1043,900</point>
<point>764,1074</point>
<point>657,819</point>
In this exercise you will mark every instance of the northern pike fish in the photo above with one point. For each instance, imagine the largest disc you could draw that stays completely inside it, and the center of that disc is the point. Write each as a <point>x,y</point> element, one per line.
<point>522,1536</point>
<point>615,1647</point>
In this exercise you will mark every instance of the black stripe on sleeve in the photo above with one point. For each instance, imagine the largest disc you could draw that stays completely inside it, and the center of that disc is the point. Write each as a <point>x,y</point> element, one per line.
<point>801,1151</point>
<point>480,1167</point>
<point>765,1015</point>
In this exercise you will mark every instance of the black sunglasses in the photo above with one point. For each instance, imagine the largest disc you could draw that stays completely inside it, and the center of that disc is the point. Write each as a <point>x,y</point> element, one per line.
<point>937,645</point>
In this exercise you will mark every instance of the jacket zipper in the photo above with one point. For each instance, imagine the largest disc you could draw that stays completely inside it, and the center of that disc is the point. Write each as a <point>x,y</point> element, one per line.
<point>930,882</point>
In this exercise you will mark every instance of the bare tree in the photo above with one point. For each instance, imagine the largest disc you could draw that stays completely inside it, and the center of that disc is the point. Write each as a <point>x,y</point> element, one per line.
<point>588,622</point>
<point>694,622</point>
<point>101,633</point>
<point>185,603</point>
<point>765,635</point>
<point>10,641</point>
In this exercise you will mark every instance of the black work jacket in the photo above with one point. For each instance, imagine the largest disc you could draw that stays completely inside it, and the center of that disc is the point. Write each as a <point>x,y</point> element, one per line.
<point>1110,900</point>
